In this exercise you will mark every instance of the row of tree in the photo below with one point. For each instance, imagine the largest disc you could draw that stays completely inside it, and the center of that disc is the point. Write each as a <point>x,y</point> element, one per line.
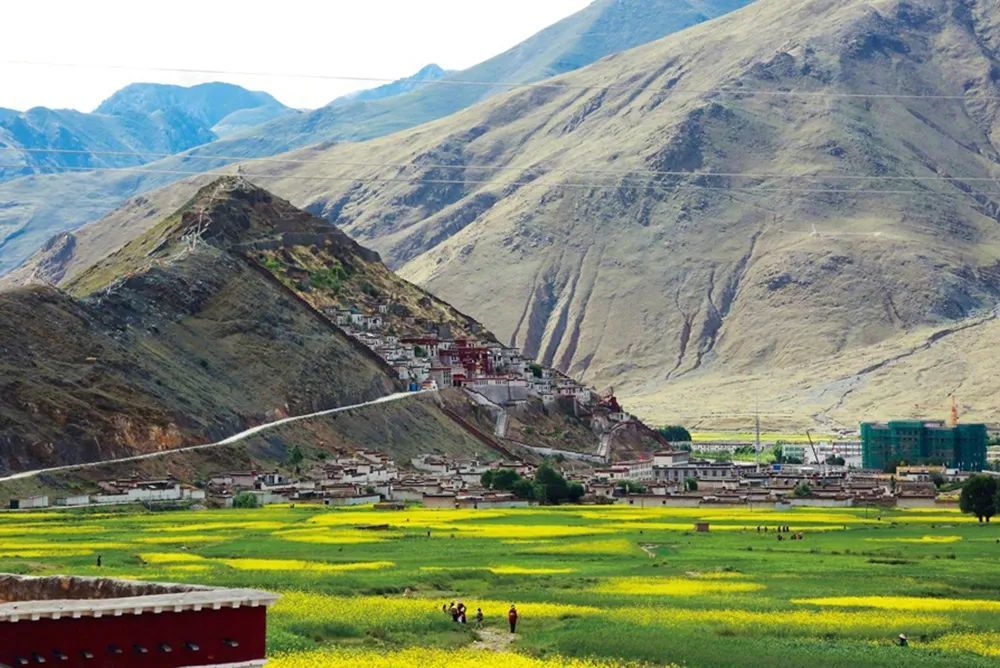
<point>548,486</point>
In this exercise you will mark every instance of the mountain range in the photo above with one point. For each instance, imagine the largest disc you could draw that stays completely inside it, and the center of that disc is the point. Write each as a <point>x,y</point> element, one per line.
<point>140,118</point>
<point>36,208</point>
<point>789,206</point>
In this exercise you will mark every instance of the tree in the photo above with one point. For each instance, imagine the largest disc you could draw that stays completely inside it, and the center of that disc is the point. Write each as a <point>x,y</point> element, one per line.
<point>835,460</point>
<point>690,485</point>
<point>505,479</point>
<point>979,497</point>
<point>675,433</point>
<point>486,479</point>
<point>554,487</point>
<point>536,370</point>
<point>802,489</point>
<point>524,489</point>
<point>632,487</point>
<point>246,500</point>
<point>937,479</point>
<point>295,455</point>
<point>576,492</point>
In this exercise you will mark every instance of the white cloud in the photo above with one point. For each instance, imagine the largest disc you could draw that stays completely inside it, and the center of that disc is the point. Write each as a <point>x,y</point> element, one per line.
<point>378,38</point>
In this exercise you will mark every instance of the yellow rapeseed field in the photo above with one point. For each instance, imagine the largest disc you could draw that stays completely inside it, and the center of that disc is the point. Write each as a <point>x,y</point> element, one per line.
<point>46,530</point>
<point>522,570</point>
<point>905,603</point>
<point>511,531</point>
<point>327,537</point>
<point>418,657</point>
<point>223,526</point>
<point>378,611</point>
<point>178,539</point>
<point>984,644</point>
<point>408,518</point>
<point>674,587</point>
<point>170,557</point>
<point>39,554</point>
<point>187,568</point>
<point>785,622</point>
<point>300,565</point>
<point>14,547</point>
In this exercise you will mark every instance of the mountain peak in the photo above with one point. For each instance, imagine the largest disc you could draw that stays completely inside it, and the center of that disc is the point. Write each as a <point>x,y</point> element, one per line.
<point>233,213</point>
<point>208,102</point>
<point>432,72</point>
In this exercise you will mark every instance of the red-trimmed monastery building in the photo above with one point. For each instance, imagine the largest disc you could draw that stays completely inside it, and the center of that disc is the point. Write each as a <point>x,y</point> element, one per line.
<point>76,622</point>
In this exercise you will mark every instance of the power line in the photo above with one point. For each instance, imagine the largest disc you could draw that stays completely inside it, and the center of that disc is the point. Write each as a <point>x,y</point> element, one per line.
<point>528,184</point>
<point>481,167</point>
<point>734,90</point>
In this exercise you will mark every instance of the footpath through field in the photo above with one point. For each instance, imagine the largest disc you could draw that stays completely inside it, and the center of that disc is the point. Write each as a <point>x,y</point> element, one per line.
<point>235,438</point>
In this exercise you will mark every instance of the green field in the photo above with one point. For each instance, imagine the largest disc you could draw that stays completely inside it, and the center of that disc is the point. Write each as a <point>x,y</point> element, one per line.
<point>595,585</point>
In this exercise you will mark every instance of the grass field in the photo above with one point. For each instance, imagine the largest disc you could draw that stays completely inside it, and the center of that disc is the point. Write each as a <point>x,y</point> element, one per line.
<point>595,585</point>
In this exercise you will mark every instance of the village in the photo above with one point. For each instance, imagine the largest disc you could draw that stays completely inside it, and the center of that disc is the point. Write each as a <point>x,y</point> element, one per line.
<point>428,357</point>
<point>669,478</point>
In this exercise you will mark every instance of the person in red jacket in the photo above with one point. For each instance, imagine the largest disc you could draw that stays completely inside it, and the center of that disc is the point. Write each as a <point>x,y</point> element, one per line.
<point>512,618</point>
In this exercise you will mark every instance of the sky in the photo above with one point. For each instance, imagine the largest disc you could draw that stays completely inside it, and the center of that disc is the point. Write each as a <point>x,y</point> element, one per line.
<point>369,38</point>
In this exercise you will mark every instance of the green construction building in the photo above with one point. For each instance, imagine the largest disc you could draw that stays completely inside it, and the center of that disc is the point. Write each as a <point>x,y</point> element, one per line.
<point>916,442</point>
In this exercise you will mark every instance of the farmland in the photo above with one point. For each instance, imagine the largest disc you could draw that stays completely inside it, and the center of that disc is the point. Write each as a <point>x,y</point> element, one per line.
<point>596,586</point>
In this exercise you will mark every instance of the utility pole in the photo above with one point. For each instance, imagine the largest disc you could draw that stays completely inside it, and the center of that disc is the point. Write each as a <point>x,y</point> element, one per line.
<point>757,429</point>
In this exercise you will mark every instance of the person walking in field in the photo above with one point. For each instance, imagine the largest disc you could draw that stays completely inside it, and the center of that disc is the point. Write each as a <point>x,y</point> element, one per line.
<point>461,612</point>
<point>512,618</point>
<point>453,611</point>
<point>479,618</point>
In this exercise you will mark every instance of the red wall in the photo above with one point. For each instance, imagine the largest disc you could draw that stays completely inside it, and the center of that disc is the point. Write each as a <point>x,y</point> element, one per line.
<point>209,629</point>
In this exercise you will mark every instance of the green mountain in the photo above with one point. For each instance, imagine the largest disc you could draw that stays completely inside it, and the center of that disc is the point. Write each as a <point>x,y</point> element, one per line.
<point>29,213</point>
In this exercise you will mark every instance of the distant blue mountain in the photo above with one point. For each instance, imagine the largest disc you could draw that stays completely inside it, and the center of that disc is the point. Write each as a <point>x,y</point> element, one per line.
<point>426,74</point>
<point>138,118</point>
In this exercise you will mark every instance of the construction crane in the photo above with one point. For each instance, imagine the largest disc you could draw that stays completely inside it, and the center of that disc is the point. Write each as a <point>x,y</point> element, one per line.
<point>953,414</point>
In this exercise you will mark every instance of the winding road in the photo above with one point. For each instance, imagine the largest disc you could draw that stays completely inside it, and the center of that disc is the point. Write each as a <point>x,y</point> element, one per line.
<point>235,438</point>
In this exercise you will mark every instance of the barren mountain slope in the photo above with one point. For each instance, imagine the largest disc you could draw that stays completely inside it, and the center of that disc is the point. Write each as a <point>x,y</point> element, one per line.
<point>548,212</point>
